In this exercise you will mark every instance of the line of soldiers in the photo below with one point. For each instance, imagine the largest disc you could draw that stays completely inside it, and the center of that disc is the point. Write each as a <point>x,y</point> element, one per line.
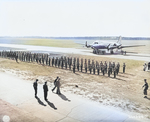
<point>9,54</point>
<point>67,62</point>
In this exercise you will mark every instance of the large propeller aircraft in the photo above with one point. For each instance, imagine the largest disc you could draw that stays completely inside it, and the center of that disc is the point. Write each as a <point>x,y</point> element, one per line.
<point>100,46</point>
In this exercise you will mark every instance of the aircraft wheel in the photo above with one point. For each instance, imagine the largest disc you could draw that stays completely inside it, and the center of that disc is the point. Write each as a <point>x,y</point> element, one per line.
<point>112,52</point>
<point>103,52</point>
<point>94,51</point>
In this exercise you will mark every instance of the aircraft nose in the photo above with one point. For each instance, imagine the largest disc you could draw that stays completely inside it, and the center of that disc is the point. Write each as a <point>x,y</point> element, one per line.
<point>92,47</point>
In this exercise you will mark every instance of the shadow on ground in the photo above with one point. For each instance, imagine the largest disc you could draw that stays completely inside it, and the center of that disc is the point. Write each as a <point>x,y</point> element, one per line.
<point>51,105</point>
<point>39,101</point>
<point>62,96</point>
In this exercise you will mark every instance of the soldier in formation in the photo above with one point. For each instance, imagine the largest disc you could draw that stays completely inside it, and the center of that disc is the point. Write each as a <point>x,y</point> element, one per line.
<point>124,66</point>
<point>89,66</point>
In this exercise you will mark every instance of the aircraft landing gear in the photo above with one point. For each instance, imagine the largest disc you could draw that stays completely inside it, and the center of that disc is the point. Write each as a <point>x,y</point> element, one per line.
<point>112,52</point>
<point>95,51</point>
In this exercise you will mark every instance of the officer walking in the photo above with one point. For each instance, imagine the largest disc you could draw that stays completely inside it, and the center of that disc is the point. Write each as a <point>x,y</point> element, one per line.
<point>45,88</point>
<point>146,88</point>
<point>58,87</point>
<point>35,84</point>
<point>55,83</point>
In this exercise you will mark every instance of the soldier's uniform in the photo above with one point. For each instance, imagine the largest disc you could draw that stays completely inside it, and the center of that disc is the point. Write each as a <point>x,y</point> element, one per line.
<point>78,64</point>
<point>74,68</point>
<point>93,68</point>
<point>59,60</point>
<point>66,64</point>
<point>114,72</point>
<point>40,60</point>
<point>37,58</point>
<point>103,70</point>
<point>124,67</point>
<point>69,63</point>
<point>88,63</point>
<point>101,65</point>
<point>62,62</point>
<point>16,57</point>
<point>29,56</point>
<point>56,61</point>
<point>85,65</point>
<point>90,68</point>
<point>146,88</point>
<point>52,61</point>
<point>118,66</point>
<point>49,61</point>
<point>105,67</point>
<point>149,66</point>
<point>81,64</point>
<point>113,66</point>
<point>108,72</point>
<point>117,70</point>
<point>43,58</point>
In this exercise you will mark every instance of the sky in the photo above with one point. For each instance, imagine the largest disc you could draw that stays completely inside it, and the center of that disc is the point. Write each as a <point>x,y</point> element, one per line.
<point>55,18</point>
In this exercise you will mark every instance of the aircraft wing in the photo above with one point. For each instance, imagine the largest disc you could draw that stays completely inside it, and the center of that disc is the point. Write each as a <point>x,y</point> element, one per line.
<point>130,46</point>
<point>120,47</point>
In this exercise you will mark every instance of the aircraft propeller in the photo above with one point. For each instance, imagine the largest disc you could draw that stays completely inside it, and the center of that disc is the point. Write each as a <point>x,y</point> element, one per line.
<point>108,47</point>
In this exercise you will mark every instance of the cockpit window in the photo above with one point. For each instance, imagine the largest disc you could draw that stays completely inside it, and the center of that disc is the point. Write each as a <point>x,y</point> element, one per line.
<point>115,45</point>
<point>95,42</point>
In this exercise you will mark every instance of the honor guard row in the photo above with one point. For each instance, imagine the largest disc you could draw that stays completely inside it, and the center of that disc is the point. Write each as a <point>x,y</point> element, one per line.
<point>70,63</point>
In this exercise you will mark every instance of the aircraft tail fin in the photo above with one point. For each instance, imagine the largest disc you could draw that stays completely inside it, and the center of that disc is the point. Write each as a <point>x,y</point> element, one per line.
<point>119,40</point>
<point>86,43</point>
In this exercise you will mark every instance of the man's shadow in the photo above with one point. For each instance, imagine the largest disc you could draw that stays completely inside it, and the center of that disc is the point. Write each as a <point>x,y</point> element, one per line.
<point>62,96</point>
<point>51,105</point>
<point>147,98</point>
<point>39,101</point>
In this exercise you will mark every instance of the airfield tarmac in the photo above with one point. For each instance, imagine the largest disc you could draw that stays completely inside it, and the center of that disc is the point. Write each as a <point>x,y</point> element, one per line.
<point>123,92</point>
<point>81,51</point>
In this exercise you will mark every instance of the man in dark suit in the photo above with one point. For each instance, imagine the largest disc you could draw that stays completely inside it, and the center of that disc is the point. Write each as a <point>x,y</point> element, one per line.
<point>35,84</point>
<point>45,88</point>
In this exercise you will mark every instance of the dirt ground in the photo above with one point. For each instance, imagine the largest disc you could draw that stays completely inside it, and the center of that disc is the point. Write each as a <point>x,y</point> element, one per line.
<point>125,92</point>
<point>10,111</point>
